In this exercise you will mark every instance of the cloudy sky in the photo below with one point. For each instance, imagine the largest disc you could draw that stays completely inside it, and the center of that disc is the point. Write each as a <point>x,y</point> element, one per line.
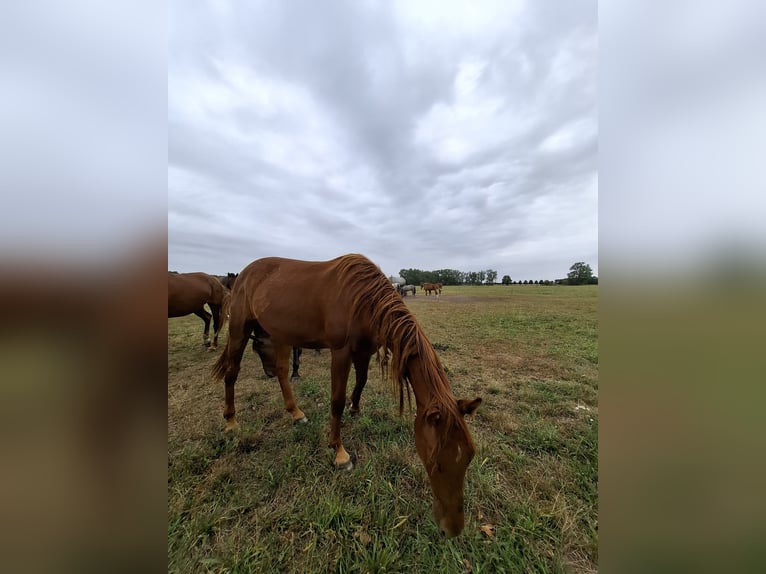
<point>429,135</point>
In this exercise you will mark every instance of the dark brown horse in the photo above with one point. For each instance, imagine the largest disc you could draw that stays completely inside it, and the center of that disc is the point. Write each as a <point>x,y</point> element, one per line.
<point>229,280</point>
<point>189,292</point>
<point>348,306</point>
<point>264,347</point>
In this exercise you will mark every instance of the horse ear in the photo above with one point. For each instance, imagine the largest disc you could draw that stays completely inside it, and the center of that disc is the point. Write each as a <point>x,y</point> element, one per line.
<point>467,407</point>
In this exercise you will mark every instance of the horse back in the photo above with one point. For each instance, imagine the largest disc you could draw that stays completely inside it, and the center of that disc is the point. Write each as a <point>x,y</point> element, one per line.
<point>300,303</point>
<point>188,292</point>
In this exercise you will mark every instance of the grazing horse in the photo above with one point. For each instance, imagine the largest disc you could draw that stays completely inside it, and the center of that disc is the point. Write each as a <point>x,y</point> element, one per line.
<point>189,292</point>
<point>428,287</point>
<point>408,288</point>
<point>347,305</point>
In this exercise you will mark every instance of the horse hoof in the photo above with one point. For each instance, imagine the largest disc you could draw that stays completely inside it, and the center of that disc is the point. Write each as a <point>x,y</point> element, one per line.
<point>348,465</point>
<point>295,378</point>
<point>230,428</point>
<point>354,411</point>
<point>301,421</point>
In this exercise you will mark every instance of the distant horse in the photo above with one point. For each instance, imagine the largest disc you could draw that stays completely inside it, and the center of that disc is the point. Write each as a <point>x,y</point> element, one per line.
<point>348,305</point>
<point>189,292</point>
<point>408,289</point>
<point>431,287</point>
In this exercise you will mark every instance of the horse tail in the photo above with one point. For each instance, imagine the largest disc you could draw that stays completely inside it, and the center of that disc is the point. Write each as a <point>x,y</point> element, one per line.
<point>222,364</point>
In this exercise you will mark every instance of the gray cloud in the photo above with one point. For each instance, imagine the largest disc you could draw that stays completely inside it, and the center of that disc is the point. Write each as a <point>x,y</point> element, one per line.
<point>422,135</point>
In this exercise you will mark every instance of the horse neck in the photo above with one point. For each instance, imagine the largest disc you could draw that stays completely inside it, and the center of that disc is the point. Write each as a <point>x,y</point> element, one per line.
<point>422,379</point>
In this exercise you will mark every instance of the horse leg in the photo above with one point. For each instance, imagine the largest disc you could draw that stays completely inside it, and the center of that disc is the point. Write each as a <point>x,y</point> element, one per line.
<point>282,356</point>
<point>216,312</point>
<point>341,365</point>
<point>361,365</point>
<point>296,363</point>
<point>228,365</point>
<point>205,316</point>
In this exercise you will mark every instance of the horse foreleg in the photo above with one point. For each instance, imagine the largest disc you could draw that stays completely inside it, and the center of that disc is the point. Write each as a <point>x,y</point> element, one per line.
<point>296,363</point>
<point>216,312</point>
<point>341,366</point>
<point>282,356</point>
<point>205,316</point>
<point>361,366</point>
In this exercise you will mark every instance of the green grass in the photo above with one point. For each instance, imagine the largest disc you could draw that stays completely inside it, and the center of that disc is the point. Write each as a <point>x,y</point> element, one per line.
<point>268,500</point>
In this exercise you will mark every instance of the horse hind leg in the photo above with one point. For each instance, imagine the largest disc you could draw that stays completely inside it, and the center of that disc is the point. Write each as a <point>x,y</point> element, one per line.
<point>282,354</point>
<point>205,316</point>
<point>227,367</point>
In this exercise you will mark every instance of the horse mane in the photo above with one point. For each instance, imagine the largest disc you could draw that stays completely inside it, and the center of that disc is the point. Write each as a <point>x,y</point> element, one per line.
<point>399,334</point>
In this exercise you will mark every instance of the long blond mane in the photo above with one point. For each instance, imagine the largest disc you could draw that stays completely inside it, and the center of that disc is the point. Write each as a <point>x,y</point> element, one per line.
<point>398,333</point>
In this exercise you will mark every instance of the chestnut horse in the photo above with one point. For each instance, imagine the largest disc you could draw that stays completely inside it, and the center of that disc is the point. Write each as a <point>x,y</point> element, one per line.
<point>189,292</point>
<point>347,305</point>
<point>428,287</point>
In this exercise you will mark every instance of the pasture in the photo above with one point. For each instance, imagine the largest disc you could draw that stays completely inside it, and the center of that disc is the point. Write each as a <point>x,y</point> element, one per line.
<point>269,500</point>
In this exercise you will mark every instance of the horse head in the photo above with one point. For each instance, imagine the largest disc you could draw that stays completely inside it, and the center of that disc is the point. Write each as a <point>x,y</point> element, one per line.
<point>446,449</point>
<point>230,279</point>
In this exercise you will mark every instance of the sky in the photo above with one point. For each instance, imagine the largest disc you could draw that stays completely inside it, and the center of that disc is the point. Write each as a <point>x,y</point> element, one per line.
<point>426,135</point>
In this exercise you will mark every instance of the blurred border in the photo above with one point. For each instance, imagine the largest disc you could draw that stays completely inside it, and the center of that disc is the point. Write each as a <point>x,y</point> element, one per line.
<point>682,286</point>
<point>83,257</point>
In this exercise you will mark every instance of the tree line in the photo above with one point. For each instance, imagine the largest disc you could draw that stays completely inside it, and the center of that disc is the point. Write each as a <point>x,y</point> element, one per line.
<point>579,274</point>
<point>448,276</point>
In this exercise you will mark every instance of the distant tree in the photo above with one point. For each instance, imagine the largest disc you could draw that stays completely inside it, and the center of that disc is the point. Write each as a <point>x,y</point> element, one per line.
<point>579,274</point>
<point>506,280</point>
<point>448,277</point>
<point>411,276</point>
<point>491,276</point>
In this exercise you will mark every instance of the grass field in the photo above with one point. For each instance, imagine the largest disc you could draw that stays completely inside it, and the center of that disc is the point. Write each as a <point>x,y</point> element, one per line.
<point>269,500</point>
